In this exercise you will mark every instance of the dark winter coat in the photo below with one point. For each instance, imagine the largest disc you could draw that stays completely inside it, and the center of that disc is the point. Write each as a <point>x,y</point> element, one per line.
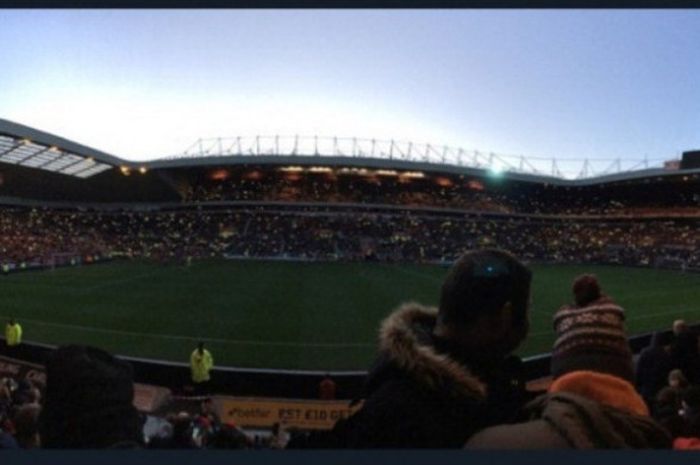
<point>686,356</point>
<point>421,397</point>
<point>653,366</point>
<point>568,421</point>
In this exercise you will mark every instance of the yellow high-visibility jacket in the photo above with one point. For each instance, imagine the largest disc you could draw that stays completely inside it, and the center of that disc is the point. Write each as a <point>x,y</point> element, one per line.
<point>13,334</point>
<point>200,365</point>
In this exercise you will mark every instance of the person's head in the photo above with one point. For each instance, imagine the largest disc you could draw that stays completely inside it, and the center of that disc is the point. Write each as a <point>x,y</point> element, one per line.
<point>668,399</point>
<point>676,379</point>
<point>12,321</point>
<point>586,289</point>
<point>661,339</point>
<point>484,303</point>
<point>200,347</point>
<point>207,405</point>
<point>26,421</point>
<point>88,402</point>
<point>679,326</point>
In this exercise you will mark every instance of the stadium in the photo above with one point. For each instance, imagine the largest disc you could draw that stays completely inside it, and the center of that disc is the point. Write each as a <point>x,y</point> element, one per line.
<point>283,255</point>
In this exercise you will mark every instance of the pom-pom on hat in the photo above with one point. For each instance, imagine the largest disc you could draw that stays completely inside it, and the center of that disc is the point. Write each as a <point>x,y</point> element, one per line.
<point>586,289</point>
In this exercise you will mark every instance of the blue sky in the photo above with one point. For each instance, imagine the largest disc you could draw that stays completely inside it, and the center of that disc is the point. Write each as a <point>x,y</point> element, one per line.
<point>567,84</point>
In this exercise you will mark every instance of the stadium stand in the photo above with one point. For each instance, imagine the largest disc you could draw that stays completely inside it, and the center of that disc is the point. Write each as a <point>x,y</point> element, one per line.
<point>330,233</point>
<point>64,204</point>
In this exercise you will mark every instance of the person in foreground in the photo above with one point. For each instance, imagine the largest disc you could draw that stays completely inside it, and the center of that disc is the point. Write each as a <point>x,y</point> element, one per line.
<point>592,402</point>
<point>88,402</point>
<point>443,374</point>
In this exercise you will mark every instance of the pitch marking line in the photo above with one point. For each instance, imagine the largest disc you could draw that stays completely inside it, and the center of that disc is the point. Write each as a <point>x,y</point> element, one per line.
<point>193,338</point>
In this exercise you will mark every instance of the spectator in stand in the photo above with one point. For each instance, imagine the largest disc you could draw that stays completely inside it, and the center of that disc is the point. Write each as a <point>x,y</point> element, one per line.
<point>653,366</point>
<point>280,436</point>
<point>667,411</point>
<point>183,436</point>
<point>679,326</point>
<point>430,385</point>
<point>201,363</point>
<point>685,354</point>
<point>691,416</point>
<point>13,333</point>
<point>326,388</point>
<point>669,398</point>
<point>592,402</point>
<point>88,402</point>
<point>207,410</point>
<point>26,422</point>
<point>7,441</point>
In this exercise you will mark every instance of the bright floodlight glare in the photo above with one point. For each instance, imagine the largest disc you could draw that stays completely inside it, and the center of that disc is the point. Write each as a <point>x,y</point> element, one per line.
<point>496,170</point>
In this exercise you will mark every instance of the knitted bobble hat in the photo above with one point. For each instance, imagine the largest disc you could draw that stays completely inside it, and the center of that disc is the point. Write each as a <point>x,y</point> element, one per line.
<point>591,336</point>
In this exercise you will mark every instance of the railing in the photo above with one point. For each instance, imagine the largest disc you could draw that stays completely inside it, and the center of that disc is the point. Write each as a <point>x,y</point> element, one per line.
<point>570,168</point>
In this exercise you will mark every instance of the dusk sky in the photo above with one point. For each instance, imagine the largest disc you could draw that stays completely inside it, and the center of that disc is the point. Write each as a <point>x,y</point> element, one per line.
<point>568,84</point>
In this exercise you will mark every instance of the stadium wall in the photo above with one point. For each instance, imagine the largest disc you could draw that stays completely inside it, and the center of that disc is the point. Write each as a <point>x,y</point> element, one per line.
<point>291,384</point>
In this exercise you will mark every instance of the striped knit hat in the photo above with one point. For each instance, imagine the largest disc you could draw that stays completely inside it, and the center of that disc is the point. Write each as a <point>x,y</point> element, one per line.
<point>591,335</point>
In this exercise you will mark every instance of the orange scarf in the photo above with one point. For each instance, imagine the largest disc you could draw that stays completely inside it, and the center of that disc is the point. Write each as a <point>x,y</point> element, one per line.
<point>606,389</point>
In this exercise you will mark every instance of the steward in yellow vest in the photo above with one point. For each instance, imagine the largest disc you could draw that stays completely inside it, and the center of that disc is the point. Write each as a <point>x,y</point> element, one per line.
<point>201,362</point>
<point>13,333</point>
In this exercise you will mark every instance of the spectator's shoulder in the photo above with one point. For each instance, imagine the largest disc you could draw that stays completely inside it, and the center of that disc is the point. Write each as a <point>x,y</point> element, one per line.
<point>535,434</point>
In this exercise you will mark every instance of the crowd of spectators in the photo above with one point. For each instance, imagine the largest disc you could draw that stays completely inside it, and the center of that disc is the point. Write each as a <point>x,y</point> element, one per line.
<point>87,402</point>
<point>20,403</point>
<point>37,235</point>
<point>668,378</point>
<point>491,195</point>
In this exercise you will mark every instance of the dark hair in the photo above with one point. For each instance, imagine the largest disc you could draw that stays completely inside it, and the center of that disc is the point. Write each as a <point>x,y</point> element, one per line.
<point>482,282</point>
<point>88,401</point>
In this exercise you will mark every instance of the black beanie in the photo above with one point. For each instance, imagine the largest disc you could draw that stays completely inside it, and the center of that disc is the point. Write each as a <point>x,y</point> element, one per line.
<point>88,401</point>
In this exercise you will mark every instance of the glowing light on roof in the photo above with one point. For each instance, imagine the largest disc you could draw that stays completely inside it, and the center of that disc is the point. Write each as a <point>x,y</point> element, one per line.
<point>20,151</point>
<point>496,170</point>
<point>412,174</point>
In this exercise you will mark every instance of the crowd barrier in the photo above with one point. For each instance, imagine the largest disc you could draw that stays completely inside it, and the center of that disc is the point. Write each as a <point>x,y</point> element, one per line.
<point>249,382</point>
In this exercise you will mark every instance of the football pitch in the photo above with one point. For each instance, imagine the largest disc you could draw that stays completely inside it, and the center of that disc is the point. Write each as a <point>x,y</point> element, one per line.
<point>265,314</point>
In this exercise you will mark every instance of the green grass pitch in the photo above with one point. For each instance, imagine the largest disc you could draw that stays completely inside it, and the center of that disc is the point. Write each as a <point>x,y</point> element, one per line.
<point>319,316</point>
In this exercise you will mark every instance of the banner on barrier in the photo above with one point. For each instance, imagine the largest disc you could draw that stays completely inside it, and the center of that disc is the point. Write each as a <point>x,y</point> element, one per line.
<point>264,413</point>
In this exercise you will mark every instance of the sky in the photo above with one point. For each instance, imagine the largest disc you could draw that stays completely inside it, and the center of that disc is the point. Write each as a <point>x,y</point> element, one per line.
<point>564,84</point>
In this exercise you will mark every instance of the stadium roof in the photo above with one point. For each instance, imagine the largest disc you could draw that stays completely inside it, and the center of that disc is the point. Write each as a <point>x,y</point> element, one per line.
<point>24,146</point>
<point>31,148</point>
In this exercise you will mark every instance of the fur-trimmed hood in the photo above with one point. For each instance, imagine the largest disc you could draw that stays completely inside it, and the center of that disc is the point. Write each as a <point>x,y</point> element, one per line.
<point>405,341</point>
